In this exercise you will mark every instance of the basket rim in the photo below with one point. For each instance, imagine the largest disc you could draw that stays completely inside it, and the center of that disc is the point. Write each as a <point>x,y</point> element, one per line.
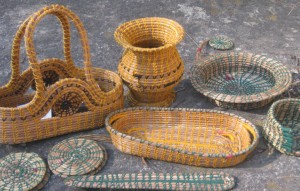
<point>243,99</point>
<point>277,124</point>
<point>110,129</point>
<point>118,34</point>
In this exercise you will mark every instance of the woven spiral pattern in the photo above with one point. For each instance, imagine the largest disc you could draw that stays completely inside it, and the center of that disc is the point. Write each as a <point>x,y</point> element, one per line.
<point>221,42</point>
<point>49,78</point>
<point>67,105</point>
<point>155,181</point>
<point>189,136</point>
<point>282,127</point>
<point>58,83</point>
<point>22,171</point>
<point>150,66</point>
<point>44,181</point>
<point>240,80</point>
<point>76,157</point>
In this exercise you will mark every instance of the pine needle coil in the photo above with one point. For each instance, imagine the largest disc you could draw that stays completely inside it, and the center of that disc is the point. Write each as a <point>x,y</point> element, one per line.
<point>196,137</point>
<point>100,90</point>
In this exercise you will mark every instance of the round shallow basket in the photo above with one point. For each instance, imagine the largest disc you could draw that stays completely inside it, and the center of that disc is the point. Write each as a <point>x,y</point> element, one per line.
<point>282,127</point>
<point>240,80</point>
<point>196,137</point>
<point>76,156</point>
<point>155,181</point>
<point>23,171</point>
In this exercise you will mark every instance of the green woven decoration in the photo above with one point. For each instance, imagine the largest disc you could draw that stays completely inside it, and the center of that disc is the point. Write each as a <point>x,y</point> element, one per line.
<point>282,127</point>
<point>221,42</point>
<point>22,171</point>
<point>155,181</point>
<point>44,181</point>
<point>240,80</point>
<point>76,156</point>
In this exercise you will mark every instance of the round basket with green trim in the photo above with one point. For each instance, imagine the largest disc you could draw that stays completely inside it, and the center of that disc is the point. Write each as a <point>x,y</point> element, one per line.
<point>76,156</point>
<point>240,80</point>
<point>282,127</point>
<point>23,171</point>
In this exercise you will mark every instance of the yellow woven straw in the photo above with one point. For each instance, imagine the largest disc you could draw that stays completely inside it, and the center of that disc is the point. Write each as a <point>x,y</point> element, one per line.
<point>100,91</point>
<point>189,136</point>
<point>150,66</point>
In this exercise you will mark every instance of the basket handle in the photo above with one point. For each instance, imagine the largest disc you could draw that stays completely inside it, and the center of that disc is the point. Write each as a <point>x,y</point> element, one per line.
<point>15,53</point>
<point>199,53</point>
<point>202,46</point>
<point>30,48</point>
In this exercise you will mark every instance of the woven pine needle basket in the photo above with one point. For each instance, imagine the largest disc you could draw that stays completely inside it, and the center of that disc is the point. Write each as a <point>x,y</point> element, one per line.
<point>151,65</point>
<point>282,127</point>
<point>23,171</point>
<point>196,137</point>
<point>60,86</point>
<point>240,80</point>
<point>155,181</point>
<point>76,156</point>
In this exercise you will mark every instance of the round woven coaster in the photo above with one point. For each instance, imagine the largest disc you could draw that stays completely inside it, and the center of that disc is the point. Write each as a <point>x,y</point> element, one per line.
<point>44,181</point>
<point>103,162</point>
<point>21,171</point>
<point>76,156</point>
<point>221,42</point>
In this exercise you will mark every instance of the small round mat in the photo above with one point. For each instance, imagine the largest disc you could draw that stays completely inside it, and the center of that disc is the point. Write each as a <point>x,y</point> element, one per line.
<point>221,42</point>
<point>76,156</point>
<point>21,171</point>
<point>44,181</point>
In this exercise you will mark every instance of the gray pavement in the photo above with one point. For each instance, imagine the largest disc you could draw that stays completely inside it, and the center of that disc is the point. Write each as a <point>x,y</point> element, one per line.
<point>270,28</point>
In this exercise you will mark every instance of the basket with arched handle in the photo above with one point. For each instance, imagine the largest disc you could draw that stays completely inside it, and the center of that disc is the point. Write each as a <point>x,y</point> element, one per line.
<point>99,90</point>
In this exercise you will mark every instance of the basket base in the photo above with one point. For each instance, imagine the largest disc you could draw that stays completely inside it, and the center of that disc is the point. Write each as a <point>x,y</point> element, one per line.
<point>132,101</point>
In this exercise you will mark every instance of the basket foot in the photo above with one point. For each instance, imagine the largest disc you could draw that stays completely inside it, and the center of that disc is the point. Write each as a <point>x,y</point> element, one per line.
<point>132,101</point>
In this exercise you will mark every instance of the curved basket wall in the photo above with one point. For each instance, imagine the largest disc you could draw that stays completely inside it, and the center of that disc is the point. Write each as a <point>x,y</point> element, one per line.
<point>150,66</point>
<point>282,127</point>
<point>59,85</point>
<point>240,80</point>
<point>189,136</point>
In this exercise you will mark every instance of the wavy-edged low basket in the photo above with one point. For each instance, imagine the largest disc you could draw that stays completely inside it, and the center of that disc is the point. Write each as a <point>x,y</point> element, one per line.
<point>155,181</point>
<point>240,80</point>
<point>196,137</point>
<point>60,86</point>
<point>282,127</point>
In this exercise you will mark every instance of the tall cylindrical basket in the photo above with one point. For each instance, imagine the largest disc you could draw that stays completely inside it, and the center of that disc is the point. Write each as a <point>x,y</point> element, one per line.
<point>150,66</point>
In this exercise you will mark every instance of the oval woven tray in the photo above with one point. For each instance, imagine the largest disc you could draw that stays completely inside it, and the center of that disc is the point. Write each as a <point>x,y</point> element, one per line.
<point>282,127</point>
<point>155,181</point>
<point>189,136</point>
<point>240,80</point>
<point>22,171</point>
<point>76,156</point>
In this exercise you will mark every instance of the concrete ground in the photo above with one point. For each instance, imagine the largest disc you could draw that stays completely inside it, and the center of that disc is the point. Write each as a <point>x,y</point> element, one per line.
<point>269,27</point>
